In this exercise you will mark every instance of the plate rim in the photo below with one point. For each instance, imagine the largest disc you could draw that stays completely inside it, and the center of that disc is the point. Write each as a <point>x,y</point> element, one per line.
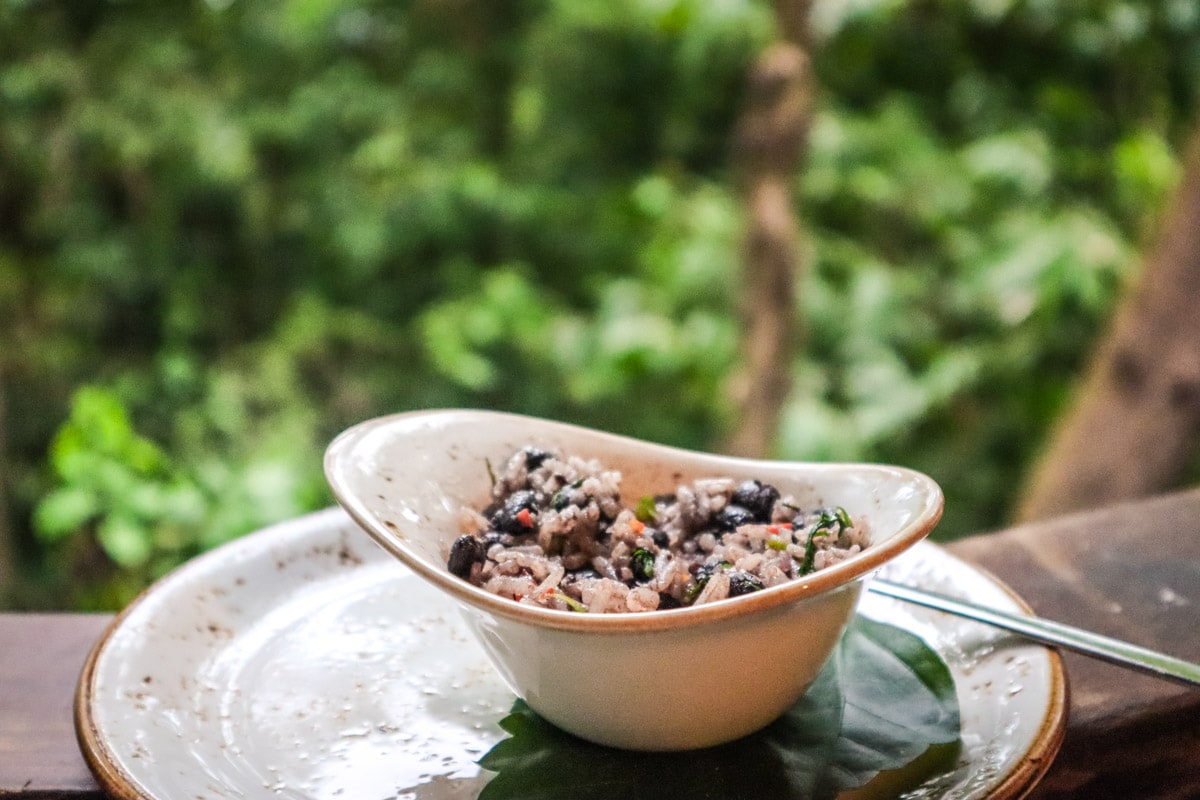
<point>1036,761</point>
<point>98,756</point>
<point>117,783</point>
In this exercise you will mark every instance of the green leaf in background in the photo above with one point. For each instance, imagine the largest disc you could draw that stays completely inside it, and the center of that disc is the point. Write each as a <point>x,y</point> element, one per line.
<point>125,540</point>
<point>63,511</point>
<point>884,703</point>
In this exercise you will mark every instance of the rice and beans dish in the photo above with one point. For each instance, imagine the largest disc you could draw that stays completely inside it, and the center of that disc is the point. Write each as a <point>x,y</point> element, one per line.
<point>557,534</point>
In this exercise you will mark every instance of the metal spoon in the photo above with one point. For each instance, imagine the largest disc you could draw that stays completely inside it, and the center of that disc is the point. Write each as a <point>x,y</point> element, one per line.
<point>1050,632</point>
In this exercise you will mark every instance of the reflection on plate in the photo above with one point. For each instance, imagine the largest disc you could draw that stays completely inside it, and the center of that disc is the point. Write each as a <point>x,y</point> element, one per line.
<point>304,662</point>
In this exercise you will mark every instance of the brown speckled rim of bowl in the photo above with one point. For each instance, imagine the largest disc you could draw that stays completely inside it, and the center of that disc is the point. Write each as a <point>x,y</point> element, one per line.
<point>843,573</point>
<point>100,759</point>
<point>1034,762</point>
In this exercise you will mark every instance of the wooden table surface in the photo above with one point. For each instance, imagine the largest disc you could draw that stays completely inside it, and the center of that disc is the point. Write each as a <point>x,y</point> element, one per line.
<point>1130,571</point>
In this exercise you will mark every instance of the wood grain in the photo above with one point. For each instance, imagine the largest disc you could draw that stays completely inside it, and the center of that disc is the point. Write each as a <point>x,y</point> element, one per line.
<point>40,660</point>
<point>1131,571</point>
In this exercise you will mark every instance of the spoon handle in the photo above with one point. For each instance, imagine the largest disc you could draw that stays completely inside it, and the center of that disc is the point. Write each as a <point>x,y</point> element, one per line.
<point>1050,632</point>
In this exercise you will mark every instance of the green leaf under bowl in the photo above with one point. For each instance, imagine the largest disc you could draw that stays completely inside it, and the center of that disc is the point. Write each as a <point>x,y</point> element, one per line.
<point>884,703</point>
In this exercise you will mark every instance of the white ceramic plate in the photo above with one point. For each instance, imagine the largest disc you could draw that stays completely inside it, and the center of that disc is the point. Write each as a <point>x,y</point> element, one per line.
<point>305,662</point>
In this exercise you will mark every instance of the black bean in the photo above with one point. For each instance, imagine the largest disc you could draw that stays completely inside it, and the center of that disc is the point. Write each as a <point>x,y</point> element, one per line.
<point>668,601</point>
<point>534,457</point>
<point>659,538</point>
<point>507,519</point>
<point>757,497</point>
<point>465,551</point>
<point>741,582</point>
<point>733,516</point>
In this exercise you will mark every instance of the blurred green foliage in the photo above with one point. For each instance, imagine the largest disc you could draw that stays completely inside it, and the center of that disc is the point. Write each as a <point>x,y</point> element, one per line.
<point>229,229</point>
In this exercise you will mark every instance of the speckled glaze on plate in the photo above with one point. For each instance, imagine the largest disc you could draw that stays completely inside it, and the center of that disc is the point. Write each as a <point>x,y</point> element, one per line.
<point>305,662</point>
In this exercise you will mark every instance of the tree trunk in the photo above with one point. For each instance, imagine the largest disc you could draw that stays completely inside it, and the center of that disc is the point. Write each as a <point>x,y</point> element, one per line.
<point>791,16</point>
<point>1135,424</point>
<point>769,146</point>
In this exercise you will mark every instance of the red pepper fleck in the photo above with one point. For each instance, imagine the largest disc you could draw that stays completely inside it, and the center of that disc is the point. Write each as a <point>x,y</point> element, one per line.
<point>636,525</point>
<point>772,529</point>
<point>525,518</point>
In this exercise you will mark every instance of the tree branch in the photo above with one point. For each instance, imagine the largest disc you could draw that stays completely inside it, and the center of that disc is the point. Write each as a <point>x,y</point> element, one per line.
<point>769,146</point>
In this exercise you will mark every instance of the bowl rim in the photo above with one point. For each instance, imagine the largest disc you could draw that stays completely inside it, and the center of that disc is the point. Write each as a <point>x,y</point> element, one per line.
<point>841,575</point>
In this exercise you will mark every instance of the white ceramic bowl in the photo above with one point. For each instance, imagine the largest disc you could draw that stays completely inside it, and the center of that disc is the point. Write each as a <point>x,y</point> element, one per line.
<point>661,680</point>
